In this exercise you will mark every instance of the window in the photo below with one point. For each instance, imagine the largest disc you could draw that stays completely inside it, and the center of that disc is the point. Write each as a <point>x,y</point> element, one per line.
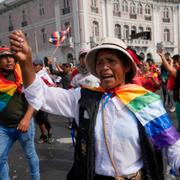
<point>148,29</point>
<point>132,8</point>
<point>124,6</point>
<point>166,13</point>
<point>141,29</point>
<point>133,30</point>
<point>70,58</point>
<point>166,35</point>
<point>139,9</point>
<point>66,25</point>
<point>10,23</point>
<point>44,36</point>
<point>94,3</point>
<point>24,19</point>
<point>117,31</point>
<point>23,15</point>
<point>147,9</point>
<point>126,31</point>
<point>66,3</point>
<point>41,8</point>
<point>95,29</point>
<point>94,7</point>
<point>116,5</point>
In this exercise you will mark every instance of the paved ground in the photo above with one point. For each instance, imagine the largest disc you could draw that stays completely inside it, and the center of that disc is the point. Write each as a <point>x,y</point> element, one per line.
<point>55,159</point>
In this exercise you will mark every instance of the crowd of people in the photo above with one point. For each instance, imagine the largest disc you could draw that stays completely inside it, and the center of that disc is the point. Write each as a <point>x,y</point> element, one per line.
<point>111,99</point>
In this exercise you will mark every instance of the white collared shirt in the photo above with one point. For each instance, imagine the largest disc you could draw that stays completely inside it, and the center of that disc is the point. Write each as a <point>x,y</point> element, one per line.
<point>121,125</point>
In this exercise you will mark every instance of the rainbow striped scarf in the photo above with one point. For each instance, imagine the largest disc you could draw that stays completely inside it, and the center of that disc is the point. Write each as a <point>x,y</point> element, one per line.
<point>149,110</point>
<point>8,88</point>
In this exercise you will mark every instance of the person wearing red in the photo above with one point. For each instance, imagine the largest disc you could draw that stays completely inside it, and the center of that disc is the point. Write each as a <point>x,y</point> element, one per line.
<point>149,79</point>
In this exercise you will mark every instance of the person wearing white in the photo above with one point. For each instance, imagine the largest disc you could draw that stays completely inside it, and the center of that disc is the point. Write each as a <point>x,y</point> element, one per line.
<point>117,151</point>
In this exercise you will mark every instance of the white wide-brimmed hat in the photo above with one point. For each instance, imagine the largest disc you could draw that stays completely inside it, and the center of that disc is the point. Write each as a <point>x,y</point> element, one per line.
<point>109,43</point>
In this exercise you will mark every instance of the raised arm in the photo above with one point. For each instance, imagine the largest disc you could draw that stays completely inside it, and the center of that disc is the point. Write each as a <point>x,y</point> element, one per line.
<point>22,53</point>
<point>172,70</point>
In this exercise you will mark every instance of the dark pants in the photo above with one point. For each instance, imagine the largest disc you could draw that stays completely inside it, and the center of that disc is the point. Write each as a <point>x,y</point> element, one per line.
<point>41,117</point>
<point>100,177</point>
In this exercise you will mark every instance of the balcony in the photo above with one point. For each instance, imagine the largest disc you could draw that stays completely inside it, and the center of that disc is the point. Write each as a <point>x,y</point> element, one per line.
<point>138,42</point>
<point>147,18</point>
<point>117,13</point>
<point>169,44</point>
<point>94,9</point>
<point>133,16</point>
<point>166,20</point>
<point>66,10</point>
<point>10,28</point>
<point>24,23</point>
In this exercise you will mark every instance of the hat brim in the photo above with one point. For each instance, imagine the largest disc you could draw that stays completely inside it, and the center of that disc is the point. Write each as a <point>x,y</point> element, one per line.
<point>4,53</point>
<point>91,58</point>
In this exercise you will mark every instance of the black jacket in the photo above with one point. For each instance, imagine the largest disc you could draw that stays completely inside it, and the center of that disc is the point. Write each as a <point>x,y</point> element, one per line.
<point>84,158</point>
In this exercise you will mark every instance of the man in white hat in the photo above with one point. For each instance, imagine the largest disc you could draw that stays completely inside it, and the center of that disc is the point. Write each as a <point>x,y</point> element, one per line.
<point>83,76</point>
<point>121,126</point>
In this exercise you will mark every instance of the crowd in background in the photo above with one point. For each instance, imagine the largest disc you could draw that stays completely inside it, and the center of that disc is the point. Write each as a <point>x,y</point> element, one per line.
<point>152,76</point>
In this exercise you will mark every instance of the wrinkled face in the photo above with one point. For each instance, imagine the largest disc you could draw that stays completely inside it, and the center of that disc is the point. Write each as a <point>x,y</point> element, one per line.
<point>7,63</point>
<point>110,69</point>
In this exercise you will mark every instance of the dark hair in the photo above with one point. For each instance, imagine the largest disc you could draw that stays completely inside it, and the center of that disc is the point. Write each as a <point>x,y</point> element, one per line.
<point>46,61</point>
<point>176,57</point>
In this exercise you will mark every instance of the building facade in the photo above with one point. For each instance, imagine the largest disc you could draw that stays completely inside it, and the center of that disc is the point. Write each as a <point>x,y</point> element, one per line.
<point>92,20</point>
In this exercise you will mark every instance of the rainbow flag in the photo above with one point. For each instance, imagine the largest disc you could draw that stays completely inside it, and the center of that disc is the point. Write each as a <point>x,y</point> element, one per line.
<point>149,110</point>
<point>58,37</point>
<point>8,88</point>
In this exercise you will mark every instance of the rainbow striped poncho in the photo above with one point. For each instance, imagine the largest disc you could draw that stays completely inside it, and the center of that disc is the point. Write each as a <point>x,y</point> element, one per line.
<point>149,110</point>
<point>8,88</point>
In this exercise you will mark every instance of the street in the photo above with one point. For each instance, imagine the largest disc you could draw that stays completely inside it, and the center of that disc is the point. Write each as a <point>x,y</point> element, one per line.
<point>55,159</point>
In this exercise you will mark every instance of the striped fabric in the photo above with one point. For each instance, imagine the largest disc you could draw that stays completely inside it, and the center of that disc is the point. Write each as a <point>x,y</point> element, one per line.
<point>58,37</point>
<point>149,110</point>
<point>8,88</point>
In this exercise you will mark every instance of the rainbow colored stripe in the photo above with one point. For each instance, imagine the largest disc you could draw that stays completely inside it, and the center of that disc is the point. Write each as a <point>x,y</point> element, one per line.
<point>149,110</point>
<point>8,88</point>
<point>58,37</point>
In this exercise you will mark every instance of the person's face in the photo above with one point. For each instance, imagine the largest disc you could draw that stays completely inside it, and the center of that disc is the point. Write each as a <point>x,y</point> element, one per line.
<point>82,60</point>
<point>67,69</point>
<point>37,67</point>
<point>110,69</point>
<point>146,67</point>
<point>7,63</point>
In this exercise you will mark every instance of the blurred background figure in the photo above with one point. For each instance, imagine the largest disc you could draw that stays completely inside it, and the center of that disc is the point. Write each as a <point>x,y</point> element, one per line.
<point>81,76</point>
<point>41,117</point>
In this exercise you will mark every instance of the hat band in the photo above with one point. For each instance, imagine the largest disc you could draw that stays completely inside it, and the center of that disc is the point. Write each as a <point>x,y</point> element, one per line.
<point>113,44</point>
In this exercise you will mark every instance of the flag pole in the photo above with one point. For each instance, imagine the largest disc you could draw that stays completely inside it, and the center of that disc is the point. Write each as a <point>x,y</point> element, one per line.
<point>53,53</point>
